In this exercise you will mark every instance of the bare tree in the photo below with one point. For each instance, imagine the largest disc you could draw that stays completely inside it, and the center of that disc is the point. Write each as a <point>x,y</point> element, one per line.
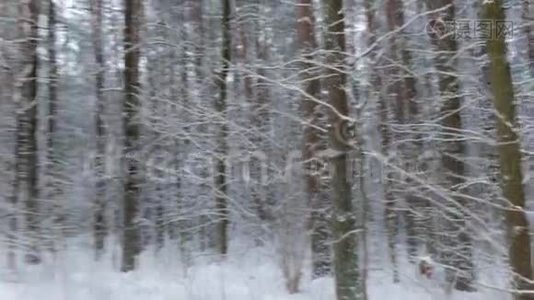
<point>528,29</point>
<point>221,202</point>
<point>100,227</point>
<point>133,14</point>
<point>312,139</point>
<point>196,15</point>
<point>509,155</point>
<point>8,108</point>
<point>346,267</point>
<point>406,113</point>
<point>456,251</point>
<point>25,185</point>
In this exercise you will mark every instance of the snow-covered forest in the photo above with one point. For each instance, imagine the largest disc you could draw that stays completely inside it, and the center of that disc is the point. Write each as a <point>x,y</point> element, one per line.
<point>266,149</point>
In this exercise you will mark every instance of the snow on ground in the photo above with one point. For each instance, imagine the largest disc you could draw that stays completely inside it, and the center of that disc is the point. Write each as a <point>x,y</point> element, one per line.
<point>248,275</point>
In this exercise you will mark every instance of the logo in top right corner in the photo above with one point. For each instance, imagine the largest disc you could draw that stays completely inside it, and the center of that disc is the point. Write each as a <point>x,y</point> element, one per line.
<point>465,29</point>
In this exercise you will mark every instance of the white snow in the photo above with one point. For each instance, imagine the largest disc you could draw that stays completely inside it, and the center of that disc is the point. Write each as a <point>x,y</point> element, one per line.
<point>252,274</point>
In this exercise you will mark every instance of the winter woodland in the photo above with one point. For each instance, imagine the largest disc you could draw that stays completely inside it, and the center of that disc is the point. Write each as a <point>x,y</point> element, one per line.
<point>266,149</point>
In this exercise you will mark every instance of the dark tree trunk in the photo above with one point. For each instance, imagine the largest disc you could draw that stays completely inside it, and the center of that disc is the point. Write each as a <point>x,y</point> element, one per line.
<point>196,7</point>
<point>100,225</point>
<point>528,29</point>
<point>221,203</point>
<point>313,139</point>
<point>510,157</point>
<point>133,14</point>
<point>456,249</point>
<point>405,92</point>
<point>25,185</point>
<point>396,104</point>
<point>53,170</point>
<point>346,267</point>
<point>260,118</point>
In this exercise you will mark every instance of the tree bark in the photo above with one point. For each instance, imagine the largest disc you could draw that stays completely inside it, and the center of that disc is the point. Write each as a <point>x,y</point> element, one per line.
<point>456,252</point>
<point>260,117</point>
<point>509,156</point>
<point>221,203</point>
<point>407,111</point>
<point>133,14</point>
<point>395,19</point>
<point>25,185</point>
<point>196,7</point>
<point>528,29</point>
<point>312,139</point>
<point>53,189</point>
<point>346,267</point>
<point>100,225</point>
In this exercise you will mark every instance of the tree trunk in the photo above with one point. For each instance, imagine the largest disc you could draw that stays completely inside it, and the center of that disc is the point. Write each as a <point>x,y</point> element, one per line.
<point>405,91</point>
<point>528,29</point>
<point>312,139</point>
<point>244,56</point>
<point>395,19</point>
<point>456,251</point>
<point>390,215</point>
<point>26,191</point>
<point>53,189</point>
<point>100,226</point>
<point>8,92</point>
<point>133,14</point>
<point>346,267</point>
<point>260,118</point>
<point>196,15</point>
<point>509,156</point>
<point>221,203</point>
<point>183,96</point>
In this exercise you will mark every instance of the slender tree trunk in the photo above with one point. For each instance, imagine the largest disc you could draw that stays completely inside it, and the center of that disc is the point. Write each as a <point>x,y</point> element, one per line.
<point>392,221</point>
<point>133,14</point>
<point>386,139</point>
<point>260,117</point>
<point>312,139</point>
<point>53,78</point>
<point>456,252</point>
<point>100,225</point>
<point>53,170</point>
<point>358,159</point>
<point>26,191</point>
<point>157,202</point>
<point>395,92</point>
<point>426,221</point>
<point>196,15</point>
<point>510,156</point>
<point>159,216</point>
<point>185,234</point>
<point>404,90</point>
<point>7,94</point>
<point>346,267</point>
<point>258,114</point>
<point>221,202</point>
<point>528,29</point>
<point>244,49</point>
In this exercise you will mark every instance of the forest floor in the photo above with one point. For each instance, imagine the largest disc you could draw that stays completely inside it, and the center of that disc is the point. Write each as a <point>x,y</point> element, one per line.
<point>250,274</point>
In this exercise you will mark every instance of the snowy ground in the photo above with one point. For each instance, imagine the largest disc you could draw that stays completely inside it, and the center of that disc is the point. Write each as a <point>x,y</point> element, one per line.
<point>248,275</point>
